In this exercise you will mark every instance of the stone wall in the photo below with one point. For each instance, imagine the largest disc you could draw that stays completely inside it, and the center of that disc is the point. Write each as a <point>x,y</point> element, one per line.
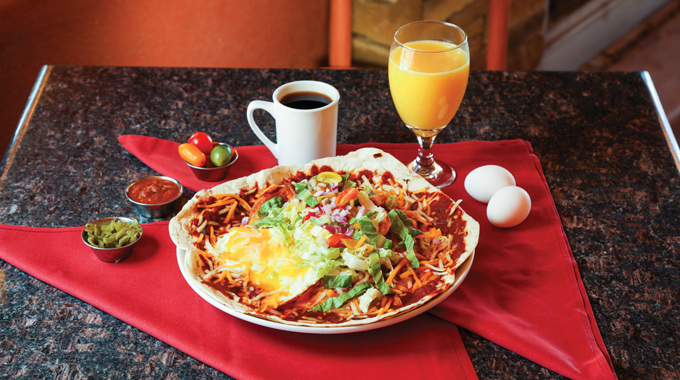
<point>375,21</point>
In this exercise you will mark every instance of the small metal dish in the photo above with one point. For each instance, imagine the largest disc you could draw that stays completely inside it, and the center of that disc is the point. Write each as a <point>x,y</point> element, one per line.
<point>157,210</point>
<point>215,174</point>
<point>111,255</point>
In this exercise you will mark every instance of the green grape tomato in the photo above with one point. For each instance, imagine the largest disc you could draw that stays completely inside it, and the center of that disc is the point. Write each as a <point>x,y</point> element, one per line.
<point>220,155</point>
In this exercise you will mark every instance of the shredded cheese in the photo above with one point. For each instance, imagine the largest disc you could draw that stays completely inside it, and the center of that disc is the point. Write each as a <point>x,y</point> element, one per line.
<point>394,272</point>
<point>386,307</point>
<point>202,226</point>
<point>232,211</point>
<point>454,207</point>
<point>354,304</point>
<point>360,242</point>
<point>415,277</point>
<point>264,191</point>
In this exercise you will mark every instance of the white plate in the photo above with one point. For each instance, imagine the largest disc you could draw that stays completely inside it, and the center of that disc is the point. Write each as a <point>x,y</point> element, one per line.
<point>461,273</point>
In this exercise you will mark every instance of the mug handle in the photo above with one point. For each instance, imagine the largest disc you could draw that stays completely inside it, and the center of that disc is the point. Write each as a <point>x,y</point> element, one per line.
<point>266,106</point>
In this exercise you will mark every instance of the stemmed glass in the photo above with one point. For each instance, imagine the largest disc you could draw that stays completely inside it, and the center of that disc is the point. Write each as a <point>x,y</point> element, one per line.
<point>428,73</point>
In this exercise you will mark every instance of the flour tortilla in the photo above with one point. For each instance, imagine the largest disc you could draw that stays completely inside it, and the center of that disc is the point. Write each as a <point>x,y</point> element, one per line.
<point>371,159</point>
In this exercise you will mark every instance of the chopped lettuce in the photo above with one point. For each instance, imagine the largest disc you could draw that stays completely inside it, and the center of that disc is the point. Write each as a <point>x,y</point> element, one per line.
<point>342,281</point>
<point>352,261</point>
<point>389,254</point>
<point>322,220</point>
<point>347,183</point>
<point>377,274</point>
<point>270,221</point>
<point>304,194</point>
<point>300,186</point>
<point>388,244</point>
<point>391,201</point>
<point>367,298</point>
<point>292,211</point>
<point>340,300</point>
<point>398,225</point>
<point>368,228</point>
<point>274,204</point>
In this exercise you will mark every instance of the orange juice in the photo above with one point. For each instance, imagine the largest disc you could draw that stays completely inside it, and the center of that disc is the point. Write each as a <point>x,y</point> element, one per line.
<point>428,83</point>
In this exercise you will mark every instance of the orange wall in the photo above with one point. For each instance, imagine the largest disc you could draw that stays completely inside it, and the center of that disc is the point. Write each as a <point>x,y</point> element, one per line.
<point>191,33</point>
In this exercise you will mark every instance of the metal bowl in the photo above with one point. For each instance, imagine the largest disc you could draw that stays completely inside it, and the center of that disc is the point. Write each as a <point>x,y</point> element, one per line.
<point>111,255</point>
<point>214,174</point>
<point>157,210</point>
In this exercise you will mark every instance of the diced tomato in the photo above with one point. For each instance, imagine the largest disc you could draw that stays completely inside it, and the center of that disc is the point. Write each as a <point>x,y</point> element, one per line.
<point>347,195</point>
<point>335,240</point>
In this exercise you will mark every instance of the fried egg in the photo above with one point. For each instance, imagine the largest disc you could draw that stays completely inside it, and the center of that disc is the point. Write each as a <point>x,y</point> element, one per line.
<point>267,259</point>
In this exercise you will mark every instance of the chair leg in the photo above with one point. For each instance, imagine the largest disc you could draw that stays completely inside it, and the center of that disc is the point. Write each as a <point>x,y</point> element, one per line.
<point>497,47</point>
<point>340,34</point>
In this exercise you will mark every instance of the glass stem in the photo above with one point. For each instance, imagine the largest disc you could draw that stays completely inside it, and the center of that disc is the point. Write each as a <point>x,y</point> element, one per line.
<point>425,157</point>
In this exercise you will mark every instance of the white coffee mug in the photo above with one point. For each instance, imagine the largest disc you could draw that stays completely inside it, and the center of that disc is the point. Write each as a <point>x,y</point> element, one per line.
<point>302,135</point>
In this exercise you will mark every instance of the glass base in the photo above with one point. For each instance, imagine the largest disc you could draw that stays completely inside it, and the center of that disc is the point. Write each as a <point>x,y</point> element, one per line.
<point>439,175</point>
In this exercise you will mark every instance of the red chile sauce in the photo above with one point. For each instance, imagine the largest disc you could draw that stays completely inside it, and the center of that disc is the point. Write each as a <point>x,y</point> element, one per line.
<point>439,210</point>
<point>294,310</point>
<point>153,191</point>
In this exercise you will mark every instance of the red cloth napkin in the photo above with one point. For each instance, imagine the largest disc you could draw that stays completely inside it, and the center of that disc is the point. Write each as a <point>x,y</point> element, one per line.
<point>524,290</point>
<point>148,291</point>
<point>161,156</point>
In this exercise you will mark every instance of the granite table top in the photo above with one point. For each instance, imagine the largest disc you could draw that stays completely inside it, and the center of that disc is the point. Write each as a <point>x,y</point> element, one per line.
<point>598,136</point>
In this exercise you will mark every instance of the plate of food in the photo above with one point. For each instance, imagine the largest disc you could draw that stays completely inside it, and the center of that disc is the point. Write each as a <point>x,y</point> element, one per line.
<point>343,244</point>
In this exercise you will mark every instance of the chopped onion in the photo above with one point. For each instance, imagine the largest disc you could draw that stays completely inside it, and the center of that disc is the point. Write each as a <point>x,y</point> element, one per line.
<point>332,229</point>
<point>361,212</point>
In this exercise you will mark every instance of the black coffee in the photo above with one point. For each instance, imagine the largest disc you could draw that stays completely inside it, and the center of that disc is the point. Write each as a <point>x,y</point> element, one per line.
<point>305,100</point>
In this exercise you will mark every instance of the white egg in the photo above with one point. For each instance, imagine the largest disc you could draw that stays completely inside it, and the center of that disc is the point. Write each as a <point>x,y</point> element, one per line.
<point>483,182</point>
<point>508,207</point>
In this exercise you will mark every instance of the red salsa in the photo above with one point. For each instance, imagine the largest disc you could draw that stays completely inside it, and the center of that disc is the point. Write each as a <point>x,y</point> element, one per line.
<point>153,191</point>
